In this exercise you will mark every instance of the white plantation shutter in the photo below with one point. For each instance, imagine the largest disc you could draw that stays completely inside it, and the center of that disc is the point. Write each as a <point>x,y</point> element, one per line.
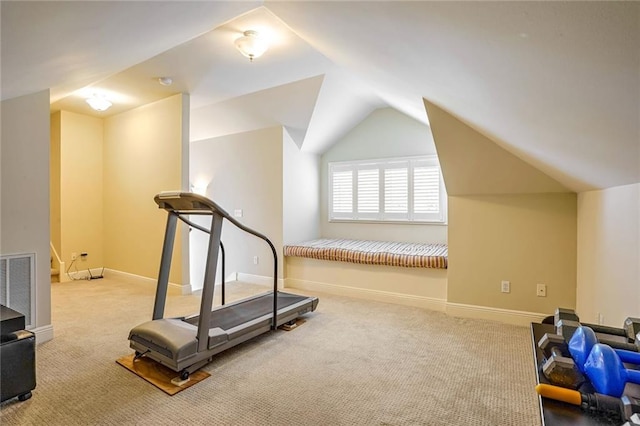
<point>397,189</point>
<point>368,192</point>
<point>426,192</point>
<point>396,193</point>
<point>342,194</point>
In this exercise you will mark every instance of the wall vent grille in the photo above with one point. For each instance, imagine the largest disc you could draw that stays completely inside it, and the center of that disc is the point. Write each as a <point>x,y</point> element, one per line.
<point>17,285</point>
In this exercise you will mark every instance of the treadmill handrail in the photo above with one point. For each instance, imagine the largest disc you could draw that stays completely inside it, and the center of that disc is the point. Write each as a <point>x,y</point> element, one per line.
<point>208,231</point>
<point>189,203</point>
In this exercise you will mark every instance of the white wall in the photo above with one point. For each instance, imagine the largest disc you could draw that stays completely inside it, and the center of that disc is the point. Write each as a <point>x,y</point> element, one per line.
<point>609,254</point>
<point>243,171</point>
<point>301,209</point>
<point>24,190</point>
<point>384,133</point>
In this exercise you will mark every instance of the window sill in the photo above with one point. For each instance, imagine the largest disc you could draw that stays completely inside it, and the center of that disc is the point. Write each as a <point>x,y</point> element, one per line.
<point>388,222</point>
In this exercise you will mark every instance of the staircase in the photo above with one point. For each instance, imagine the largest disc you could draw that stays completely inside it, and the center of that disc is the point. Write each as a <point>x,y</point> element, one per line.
<point>57,265</point>
<point>55,273</point>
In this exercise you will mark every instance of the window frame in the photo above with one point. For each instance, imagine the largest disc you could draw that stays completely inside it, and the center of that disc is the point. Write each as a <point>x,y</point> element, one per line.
<point>382,164</point>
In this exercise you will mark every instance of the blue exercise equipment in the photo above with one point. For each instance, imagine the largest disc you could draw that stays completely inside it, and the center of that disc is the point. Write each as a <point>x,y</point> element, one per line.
<point>606,372</point>
<point>582,342</point>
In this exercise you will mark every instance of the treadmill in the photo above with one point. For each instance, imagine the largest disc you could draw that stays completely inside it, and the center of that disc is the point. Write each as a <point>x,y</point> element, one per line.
<point>185,344</point>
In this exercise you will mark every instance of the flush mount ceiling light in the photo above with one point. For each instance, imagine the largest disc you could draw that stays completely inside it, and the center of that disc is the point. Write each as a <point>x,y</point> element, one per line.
<point>99,102</point>
<point>251,45</point>
<point>165,81</point>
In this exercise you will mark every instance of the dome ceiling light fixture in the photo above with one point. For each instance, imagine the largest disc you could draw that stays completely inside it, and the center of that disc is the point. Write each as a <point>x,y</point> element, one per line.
<point>251,45</point>
<point>99,102</point>
<point>165,81</point>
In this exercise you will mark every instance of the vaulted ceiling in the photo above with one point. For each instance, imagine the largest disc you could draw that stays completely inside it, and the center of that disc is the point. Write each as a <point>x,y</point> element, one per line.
<point>555,83</point>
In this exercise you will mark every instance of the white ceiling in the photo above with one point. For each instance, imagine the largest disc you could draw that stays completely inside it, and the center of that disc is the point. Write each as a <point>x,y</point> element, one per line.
<point>556,83</point>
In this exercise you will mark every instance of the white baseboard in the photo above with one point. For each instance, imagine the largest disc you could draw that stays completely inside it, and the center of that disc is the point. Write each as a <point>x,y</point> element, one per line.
<point>258,279</point>
<point>376,295</point>
<point>507,316</point>
<point>230,277</point>
<point>138,279</point>
<point>62,275</point>
<point>43,334</point>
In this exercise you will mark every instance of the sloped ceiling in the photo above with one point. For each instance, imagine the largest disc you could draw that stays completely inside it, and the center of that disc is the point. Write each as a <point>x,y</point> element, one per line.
<point>66,45</point>
<point>557,84</point>
<point>259,110</point>
<point>473,164</point>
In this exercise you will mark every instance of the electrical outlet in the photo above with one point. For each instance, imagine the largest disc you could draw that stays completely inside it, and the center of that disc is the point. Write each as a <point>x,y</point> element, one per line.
<point>74,256</point>
<point>541,290</point>
<point>505,286</point>
<point>255,260</point>
<point>84,255</point>
<point>237,212</point>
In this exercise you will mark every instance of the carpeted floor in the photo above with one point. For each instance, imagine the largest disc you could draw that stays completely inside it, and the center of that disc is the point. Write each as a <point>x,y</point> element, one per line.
<point>353,362</point>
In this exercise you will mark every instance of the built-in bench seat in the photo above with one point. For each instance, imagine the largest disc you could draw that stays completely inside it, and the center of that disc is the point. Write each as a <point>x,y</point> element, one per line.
<point>406,273</point>
<point>409,255</point>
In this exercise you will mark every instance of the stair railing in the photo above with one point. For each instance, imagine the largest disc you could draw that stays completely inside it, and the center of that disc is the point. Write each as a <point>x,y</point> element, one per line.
<point>56,262</point>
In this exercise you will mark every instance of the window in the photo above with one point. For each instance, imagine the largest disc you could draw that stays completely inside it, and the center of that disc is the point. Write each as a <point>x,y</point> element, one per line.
<point>398,189</point>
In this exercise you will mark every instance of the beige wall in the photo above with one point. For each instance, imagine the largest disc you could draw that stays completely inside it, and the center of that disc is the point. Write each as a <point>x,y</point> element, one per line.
<point>609,254</point>
<point>474,164</point>
<point>143,155</point>
<point>244,171</point>
<point>384,133</point>
<point>507,221</point>
<point>81,204</point>
<point>525,239</point>
<point>422,287</point>
<point>24,190</point>
<point>54,181</point>
<point>300,192</point>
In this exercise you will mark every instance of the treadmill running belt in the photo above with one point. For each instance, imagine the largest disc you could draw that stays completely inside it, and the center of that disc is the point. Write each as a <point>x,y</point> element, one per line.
<point>233,315</point>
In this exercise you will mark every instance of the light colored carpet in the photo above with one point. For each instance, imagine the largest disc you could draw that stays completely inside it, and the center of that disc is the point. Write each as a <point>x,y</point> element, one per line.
<point>353,362</point>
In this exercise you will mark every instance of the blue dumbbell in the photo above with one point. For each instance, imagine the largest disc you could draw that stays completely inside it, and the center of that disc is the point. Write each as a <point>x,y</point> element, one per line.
<point>584,339</point>
<point>606,372</point>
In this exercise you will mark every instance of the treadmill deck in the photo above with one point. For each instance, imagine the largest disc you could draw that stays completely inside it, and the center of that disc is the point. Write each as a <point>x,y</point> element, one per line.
<point>232,315</point>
